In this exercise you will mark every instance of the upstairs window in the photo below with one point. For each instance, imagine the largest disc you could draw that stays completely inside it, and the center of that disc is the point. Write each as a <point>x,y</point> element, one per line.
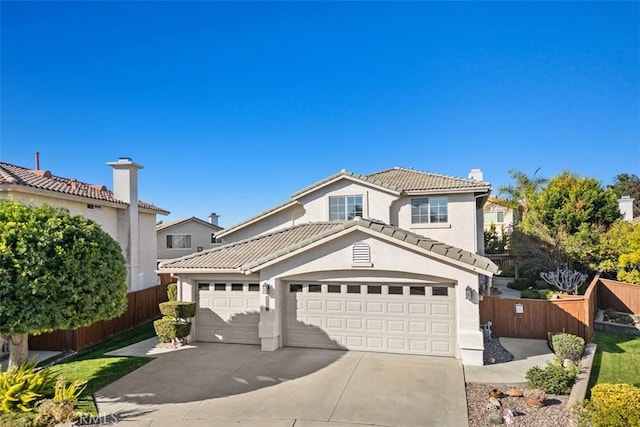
<point>215,239</point>
<point>429,210</point>
<point>344,208</point>
<point>178,241</point>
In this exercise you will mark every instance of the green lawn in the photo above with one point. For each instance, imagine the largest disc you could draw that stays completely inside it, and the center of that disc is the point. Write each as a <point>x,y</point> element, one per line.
<point>617,359</point>
<point>99,370</point>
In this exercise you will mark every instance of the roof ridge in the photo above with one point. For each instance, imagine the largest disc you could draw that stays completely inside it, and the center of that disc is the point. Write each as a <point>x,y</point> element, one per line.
<point>441,175</point>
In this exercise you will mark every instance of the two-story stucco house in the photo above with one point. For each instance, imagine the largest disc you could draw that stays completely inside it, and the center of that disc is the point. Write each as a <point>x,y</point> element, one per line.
<point>185,236</point>
<point>384,262</point>
<point>131,222</point>
<point>498,215</point>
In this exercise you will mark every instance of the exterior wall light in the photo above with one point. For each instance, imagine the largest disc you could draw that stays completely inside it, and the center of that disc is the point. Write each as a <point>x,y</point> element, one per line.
<point>265,288</point>
<point>469,293</point>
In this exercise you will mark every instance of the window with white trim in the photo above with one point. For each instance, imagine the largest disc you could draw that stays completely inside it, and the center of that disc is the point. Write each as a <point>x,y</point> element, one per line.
<point>344,208</point>
<point>178,241</point>
<point>496,217</point>
<point>429,210</point>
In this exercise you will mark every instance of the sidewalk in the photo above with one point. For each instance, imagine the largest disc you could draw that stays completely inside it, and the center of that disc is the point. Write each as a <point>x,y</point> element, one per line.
<point>527,354</point>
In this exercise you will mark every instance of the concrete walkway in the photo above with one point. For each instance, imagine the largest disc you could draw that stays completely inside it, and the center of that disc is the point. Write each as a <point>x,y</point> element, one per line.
<point>527,354</point>
<point>228,384</point>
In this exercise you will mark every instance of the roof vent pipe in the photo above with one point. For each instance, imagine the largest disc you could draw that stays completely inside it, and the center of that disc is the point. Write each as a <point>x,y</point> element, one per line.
<point>37,160</point>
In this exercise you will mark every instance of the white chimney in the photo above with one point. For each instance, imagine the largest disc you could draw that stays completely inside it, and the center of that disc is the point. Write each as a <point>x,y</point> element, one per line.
<point>125,188</point>
<point>213,218</point>
<point>476,175</point>
<point>625,204</point>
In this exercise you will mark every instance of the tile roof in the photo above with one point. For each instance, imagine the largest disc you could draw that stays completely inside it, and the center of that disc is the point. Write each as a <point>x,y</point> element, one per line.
<point>250,253</point>
<point>182,220</point>
<point>415,180</point>
<point>44,180</point>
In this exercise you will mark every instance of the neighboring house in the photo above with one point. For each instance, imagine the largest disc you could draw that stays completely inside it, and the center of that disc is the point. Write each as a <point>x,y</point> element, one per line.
<point>495,213</point>
<point>384,262</point>
<point>131,222</point>
<point>185,236</point>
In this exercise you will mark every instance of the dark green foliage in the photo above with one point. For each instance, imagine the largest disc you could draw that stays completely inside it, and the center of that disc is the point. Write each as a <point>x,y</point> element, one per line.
<point>567,346</point>
<point>628,185</point>
<point>553,379</point>
<point>172,291</point>
<point>57,271</point>
<point>494,242</point>
<point>522,284</point>
<point>536,294</point>
<point>169,330</point>
<point>178,309</point>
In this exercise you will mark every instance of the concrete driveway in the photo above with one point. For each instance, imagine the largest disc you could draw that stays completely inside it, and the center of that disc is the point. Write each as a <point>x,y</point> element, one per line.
<point>227,384</point>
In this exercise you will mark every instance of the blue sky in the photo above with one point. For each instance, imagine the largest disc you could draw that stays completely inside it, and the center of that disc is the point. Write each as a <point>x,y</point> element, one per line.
<point>231,107</point>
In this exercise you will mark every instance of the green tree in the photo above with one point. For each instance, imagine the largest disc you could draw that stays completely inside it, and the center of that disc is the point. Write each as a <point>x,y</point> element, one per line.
<point>565,222</point>
<point>57,271</point>
<point>620,251</point>
<point>628,185</point>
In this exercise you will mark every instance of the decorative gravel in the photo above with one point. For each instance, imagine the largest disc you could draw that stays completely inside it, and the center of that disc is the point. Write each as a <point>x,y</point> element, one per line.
<point>494,352</point>
<point>555,413</point>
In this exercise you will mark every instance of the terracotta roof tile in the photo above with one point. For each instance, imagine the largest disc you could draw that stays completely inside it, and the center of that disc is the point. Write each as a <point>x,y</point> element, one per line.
<point>44,180</point>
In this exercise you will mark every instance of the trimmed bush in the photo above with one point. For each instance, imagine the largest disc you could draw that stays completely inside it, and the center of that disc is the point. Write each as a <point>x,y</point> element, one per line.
<point>614,405</point>
<point>21,387</point>
<point>169,330</point>
<point>172,291</point>
<point>553,379</point>
<point>178,309</point>
<point>522,283</point>
<point>567,346</point>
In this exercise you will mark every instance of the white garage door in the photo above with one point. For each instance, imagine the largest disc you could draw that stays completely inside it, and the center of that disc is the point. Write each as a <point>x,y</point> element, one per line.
<point>228,312</point>
<point>393,318</point>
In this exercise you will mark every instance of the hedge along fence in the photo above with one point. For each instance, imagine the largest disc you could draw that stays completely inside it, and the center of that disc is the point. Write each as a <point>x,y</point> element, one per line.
<point>525,318</point>
<point>142,306</point>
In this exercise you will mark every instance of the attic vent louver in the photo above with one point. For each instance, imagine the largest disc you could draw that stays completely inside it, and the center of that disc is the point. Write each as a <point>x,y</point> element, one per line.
<point>361,253</point>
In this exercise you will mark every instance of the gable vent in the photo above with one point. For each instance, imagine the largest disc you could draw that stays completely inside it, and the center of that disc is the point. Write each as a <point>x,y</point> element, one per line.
<point>361,253</point>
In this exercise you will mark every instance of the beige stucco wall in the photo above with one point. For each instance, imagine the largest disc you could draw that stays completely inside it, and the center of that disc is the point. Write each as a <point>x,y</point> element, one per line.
<point>460,231</point>
<point>200,237</point>
<point>376,203</point>
<point>392,262</point>
<point>148,259</point>
<point>277,221</point>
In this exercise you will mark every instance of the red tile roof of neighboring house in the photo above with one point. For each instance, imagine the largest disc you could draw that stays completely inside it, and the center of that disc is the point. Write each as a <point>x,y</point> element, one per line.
<point>44,180</point>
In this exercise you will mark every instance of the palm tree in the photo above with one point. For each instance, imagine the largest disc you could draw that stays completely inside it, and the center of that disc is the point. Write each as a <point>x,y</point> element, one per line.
<point>520,195</point>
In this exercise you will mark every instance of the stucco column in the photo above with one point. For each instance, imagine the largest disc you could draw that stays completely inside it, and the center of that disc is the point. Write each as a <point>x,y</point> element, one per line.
<point>470,339</point>
<point>269,328</point>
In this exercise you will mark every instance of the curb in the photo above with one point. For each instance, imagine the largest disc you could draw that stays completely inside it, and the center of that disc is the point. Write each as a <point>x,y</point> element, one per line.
<point>579,390</point>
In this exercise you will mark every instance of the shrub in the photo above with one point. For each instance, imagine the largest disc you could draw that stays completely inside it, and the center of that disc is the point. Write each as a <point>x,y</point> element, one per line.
<point>17,419</point>
<point>52,413</point>
<point>172,291</point>
<point>178,309</point>
<point>169,330</point>
<point>507,271</point>
<point>536,294</point>
<point>614,405</point>
<point>21,387</point>
<point>567,346</point>
<point>553,379</point>
<point>68,392</point>
<point>522,283</point>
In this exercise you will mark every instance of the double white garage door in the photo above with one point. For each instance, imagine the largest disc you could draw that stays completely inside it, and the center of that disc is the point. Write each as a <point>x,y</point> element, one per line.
<point>394,318</point>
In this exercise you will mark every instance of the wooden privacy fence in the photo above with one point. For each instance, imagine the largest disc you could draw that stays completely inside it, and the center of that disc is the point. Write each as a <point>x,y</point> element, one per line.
<point>528,318</point>
<point>624,297</point>
<point>142,306</point>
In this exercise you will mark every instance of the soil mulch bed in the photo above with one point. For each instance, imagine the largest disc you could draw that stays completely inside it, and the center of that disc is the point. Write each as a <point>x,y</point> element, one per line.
<point>554,413</point>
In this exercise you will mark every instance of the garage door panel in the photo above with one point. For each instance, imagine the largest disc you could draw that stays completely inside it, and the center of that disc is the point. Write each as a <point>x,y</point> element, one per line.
<point>228,317</point>
<point>416,321</point>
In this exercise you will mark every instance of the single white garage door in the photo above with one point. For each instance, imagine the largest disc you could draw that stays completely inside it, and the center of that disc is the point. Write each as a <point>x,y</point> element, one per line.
<point>228,312</point>
<point>393,318</point>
